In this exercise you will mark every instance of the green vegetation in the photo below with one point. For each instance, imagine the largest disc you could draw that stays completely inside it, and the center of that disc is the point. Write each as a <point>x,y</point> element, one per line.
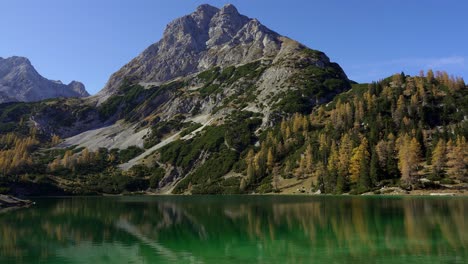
<point>210,75</point>
<point>210,89</point>
<point>294,102</point>
<point>311,53</point>
<point>190,129</point>
<point>394,132</point>
<point>123,104</point>
<point>129,153</point>
<point>390,133</point>
<point>184,153</point>
<point>220,147</point>
<point>250,71</point>
<point>133,101</point>
<point>12,112</point>
<point>162,129</point>
<point>314,83</point>
<point>215,79</point>
<point>16,117</point>
<point>206,179</point>
<point>240,128</point>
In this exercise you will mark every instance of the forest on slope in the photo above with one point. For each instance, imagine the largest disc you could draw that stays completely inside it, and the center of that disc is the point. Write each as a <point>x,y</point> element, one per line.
<point>402,131</point>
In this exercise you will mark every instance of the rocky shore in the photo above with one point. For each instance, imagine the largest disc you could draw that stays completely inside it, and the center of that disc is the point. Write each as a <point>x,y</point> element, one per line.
<point>9,202</point>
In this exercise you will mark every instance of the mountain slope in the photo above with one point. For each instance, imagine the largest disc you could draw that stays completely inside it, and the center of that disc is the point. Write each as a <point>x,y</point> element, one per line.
<point>19,81</point>
<point>222,104</point>
<point>209,64</point>
<point>213,71</point>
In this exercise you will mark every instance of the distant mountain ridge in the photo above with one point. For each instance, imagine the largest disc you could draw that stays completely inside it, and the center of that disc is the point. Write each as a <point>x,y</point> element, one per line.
<point>19,81</point>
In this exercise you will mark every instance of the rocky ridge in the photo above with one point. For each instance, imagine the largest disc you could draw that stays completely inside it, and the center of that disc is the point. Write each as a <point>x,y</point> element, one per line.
<point>207,38</point>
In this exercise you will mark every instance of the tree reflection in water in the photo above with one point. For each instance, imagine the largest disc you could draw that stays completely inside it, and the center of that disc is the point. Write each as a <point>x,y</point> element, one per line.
<point>235,229</point>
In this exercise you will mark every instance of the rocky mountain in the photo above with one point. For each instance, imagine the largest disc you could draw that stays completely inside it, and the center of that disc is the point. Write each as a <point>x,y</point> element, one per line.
<point>208,65</point>
<point>185,111</point>
<point>212,37</point>
<point>19,81</point>
<point>213,71</point>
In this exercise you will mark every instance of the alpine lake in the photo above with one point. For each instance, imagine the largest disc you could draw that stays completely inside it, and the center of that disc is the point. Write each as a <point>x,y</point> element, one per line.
<point>237,229</point>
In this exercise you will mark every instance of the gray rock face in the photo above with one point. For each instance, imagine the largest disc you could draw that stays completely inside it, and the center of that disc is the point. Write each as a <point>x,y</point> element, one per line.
<point>19,81</point>
<point>206,38</point>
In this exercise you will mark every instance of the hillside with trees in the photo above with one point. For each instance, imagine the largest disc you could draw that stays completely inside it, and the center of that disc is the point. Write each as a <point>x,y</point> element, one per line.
<point>402,131</point>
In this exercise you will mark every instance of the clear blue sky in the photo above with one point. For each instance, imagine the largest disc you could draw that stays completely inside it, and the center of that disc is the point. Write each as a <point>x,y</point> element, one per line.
<point>88,40</point>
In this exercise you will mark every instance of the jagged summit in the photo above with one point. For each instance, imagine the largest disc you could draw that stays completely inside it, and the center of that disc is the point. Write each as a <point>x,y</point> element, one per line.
<point>198,41</point>
<point>206,8</point>
<point>17,60</point>
<point>19,81</point>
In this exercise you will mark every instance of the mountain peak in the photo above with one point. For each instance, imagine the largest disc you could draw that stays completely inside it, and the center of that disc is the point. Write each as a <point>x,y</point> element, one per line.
<point>206,8</point>
<point>209,37</point>
<point>20,63</point>
<point>19,60</point>
<point>229,9</point>
<point>19,81</point>
<point>78,88</point>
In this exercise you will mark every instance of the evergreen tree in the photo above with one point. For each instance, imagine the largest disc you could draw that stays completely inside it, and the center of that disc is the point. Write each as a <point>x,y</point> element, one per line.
<point>374,170</point>
<point>359,165</point>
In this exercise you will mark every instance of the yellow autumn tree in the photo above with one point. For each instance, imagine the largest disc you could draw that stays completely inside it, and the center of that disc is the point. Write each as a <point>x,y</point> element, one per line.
<point>409,156</point>
<point>55,140</point>
<point>308,158</point>
<point>357,164</point>
<point>345,153</point>
<point>439,158</point>
<point>15,154</point>
<point>457,159</point>
<point>270,159</point>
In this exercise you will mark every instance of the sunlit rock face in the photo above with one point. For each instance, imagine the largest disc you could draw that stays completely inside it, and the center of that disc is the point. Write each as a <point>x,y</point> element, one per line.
<point>204,39</point>
<point>19,81</point>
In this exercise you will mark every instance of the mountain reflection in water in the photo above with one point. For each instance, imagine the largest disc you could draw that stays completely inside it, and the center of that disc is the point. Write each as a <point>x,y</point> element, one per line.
<point>234,229</point>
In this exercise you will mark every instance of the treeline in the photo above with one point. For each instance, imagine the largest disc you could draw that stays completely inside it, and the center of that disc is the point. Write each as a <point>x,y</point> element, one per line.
<point>394,132</point>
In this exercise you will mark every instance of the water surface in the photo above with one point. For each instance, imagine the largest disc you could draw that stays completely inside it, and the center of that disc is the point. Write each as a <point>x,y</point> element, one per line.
<point>237,229</point>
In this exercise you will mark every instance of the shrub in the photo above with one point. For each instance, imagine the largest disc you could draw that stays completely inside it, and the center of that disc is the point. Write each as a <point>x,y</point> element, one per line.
<point>156,176</point>
<point>129,153</point>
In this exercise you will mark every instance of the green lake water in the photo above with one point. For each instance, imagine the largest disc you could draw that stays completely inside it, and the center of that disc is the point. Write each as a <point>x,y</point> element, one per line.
<point>237,229</point>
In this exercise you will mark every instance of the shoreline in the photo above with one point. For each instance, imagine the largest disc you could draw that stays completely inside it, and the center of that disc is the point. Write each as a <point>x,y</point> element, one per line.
<point>8,201</point>
<point>413,193</point>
